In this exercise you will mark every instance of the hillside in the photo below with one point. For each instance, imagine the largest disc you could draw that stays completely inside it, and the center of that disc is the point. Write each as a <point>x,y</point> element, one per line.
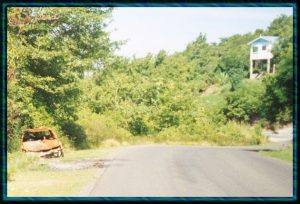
<point>201,95</point>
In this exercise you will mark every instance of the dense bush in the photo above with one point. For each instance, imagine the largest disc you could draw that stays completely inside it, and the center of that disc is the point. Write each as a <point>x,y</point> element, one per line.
<point>234,133</point>
<point>48,52</point>
<point>278,99</point>
<point>137,126</point>
<point>99,128</point>
<point>72,81</point>
<point>166,97</point>
<point>245,103</point>
<point>204,132</point>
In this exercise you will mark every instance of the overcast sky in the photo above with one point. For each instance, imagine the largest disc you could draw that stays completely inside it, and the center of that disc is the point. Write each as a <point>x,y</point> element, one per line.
<point>150,29</point>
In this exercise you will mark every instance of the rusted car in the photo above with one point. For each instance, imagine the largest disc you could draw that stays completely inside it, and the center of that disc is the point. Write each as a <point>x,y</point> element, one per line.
<point>43,141</point>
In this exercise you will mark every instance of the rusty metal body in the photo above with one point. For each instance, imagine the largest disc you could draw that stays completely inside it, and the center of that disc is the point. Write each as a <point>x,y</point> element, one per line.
<point>42,141</point>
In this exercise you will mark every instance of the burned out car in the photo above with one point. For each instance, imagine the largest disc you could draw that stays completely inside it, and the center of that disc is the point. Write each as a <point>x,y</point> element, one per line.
<point>43,141</point>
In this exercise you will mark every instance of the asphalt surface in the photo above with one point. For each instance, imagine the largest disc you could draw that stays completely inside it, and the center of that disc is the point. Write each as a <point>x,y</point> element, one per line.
<point>282,136</point>
<point>191,171</point>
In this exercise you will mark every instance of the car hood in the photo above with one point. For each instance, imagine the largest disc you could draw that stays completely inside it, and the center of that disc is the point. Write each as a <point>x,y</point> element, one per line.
<point>40,145</point>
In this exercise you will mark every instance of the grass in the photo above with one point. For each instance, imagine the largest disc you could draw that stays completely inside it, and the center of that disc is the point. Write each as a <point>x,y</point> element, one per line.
<point>44,183</point>
<point>286,154</point>
<point>18,161</point>
<point>27,176</point>
<point>73,155</point>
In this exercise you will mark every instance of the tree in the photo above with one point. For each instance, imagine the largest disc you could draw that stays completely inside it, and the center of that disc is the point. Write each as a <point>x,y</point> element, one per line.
<point>160,57</point>
<point>49,49</point>
<point>278,100</point>
<point>234,67</point>
<point>281,27</point>
<point>244,103</point>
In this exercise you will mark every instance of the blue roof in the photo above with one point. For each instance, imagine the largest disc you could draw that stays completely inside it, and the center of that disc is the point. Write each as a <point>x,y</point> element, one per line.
<point>271,39</point>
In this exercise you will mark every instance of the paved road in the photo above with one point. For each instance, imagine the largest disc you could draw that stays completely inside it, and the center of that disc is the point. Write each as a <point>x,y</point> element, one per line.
<point>161,170</point>
<point>283,136</point>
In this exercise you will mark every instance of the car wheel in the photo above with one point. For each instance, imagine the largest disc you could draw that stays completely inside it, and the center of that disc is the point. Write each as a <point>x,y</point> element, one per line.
<point>62,153</point>
<point>57,154</point>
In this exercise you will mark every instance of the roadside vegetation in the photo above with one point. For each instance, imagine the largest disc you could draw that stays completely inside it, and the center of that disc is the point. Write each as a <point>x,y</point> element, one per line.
<point>63,73</point>
<point>18,162</point>
<point>285,154</point>
<point>28,175</point>
<point>45,182</point>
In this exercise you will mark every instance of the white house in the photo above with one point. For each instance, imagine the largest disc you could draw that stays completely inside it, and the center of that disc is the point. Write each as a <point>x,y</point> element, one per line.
<point>261,55</point>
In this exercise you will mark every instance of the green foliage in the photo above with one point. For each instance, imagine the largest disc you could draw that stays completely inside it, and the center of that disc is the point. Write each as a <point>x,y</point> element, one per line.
<point>18,162</point>
<point>234,133</point>
<point>234,60</point>
<point>76,133</point>
<point>68,77</point>
<point>285,154</point>
<point>137,126</point>
<point>214,105</point>
<point>205,132</point>
<point>281,26</point>
<point>100,128</point>
<point>278,99</point>
<point>161,56</point>
<point>234,69</point>
<point>49,49</point>
<point>244,103</point>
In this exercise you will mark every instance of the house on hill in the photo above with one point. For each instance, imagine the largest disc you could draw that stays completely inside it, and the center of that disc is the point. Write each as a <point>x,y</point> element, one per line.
<point>261,56</point>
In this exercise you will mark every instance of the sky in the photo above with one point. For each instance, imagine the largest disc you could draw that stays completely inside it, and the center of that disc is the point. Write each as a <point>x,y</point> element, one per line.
<point>151,29</point>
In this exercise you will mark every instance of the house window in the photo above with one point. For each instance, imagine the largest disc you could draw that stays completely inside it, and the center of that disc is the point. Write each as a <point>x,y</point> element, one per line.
<point>264,47</point>
<point>255,49</point>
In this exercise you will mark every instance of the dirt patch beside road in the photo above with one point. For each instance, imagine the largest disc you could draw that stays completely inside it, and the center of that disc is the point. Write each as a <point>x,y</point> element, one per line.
<point>74,165</point>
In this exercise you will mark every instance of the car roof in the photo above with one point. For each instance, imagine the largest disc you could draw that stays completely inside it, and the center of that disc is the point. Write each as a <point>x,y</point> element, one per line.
<point>38,130</point>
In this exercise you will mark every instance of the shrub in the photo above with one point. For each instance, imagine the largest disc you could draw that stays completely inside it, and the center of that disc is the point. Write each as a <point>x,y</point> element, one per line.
<point>171,134</point>
<point>202,130</point>
<point>214,105</point>
<point>75,134</point>
<point>285,116</point>
<point>278,98</point>
<point>244,103</point>
<point>137,126</point>
<point>198,132</point>
<point>99,128</point>
<point>234,133</point>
